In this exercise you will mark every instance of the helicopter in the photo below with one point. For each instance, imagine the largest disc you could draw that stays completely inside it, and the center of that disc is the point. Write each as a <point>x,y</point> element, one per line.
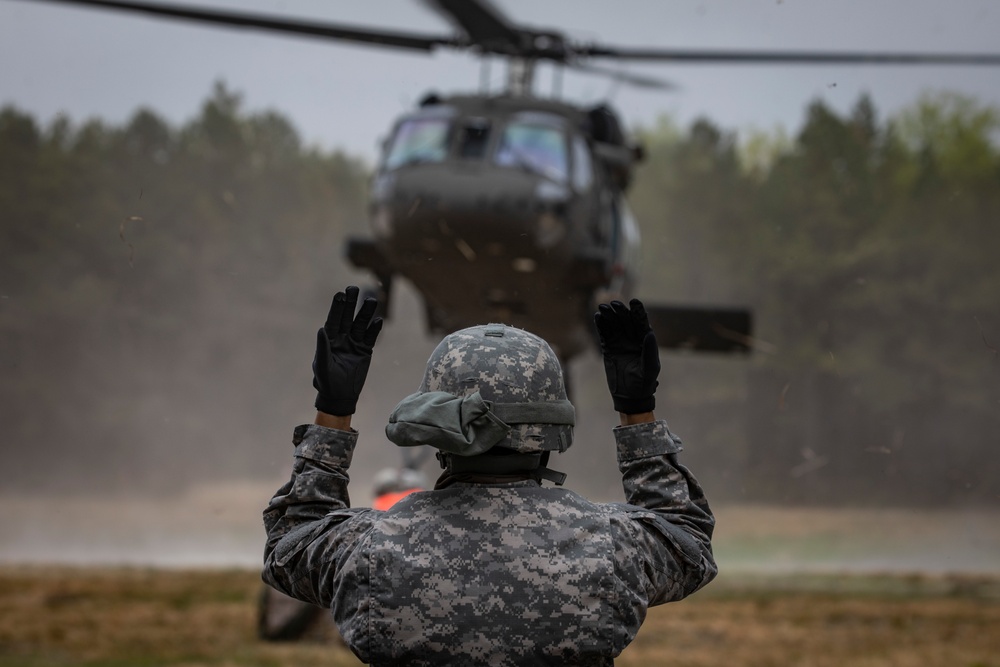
<point>521,201</point>
<point>509,206</point>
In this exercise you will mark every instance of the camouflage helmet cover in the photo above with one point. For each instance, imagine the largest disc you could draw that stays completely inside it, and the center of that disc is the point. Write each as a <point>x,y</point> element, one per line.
<point>505,365</point>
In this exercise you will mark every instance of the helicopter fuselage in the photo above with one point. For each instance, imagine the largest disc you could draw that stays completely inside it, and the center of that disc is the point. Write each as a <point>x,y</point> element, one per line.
<point>498,209</point>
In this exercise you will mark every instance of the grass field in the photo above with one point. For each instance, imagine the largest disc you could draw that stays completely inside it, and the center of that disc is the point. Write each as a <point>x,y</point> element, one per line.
<point>123,617</point>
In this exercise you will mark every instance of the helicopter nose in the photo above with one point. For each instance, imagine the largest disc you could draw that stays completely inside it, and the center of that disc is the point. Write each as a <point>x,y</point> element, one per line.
<point>512,203</point>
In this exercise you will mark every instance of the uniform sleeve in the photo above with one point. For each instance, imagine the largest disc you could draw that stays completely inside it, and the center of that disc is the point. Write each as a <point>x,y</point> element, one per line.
<point>663,536</point>
<point>311,530</point>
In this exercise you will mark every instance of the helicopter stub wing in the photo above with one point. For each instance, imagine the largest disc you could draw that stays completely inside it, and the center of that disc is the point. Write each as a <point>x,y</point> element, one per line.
<point>702,329</point>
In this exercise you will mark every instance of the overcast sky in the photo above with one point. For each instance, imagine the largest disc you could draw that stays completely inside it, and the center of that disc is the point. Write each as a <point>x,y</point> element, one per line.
<point>85,62</point>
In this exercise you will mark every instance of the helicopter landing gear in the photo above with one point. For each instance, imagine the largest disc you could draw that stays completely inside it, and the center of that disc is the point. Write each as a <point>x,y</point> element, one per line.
<point>281,618</point>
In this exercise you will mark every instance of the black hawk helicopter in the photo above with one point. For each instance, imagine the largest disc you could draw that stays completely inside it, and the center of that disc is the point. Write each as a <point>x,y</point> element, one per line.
<point>509,207</point>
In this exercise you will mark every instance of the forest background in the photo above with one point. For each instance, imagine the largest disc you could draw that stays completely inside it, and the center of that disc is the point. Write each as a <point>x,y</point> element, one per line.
<point>160,287</point>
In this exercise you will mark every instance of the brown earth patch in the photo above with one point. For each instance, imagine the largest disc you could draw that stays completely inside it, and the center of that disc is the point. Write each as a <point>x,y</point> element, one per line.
<point>111,617</point>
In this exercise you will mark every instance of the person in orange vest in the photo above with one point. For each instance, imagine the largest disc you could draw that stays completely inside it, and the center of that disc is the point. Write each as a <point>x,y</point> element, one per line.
<point>394,484</point>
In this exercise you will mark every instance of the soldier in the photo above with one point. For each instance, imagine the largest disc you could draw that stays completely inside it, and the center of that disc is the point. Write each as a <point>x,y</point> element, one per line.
<point>491,567</point>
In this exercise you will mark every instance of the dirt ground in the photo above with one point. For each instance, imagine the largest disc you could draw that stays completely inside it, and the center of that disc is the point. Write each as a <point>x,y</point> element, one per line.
<point>117,617</point>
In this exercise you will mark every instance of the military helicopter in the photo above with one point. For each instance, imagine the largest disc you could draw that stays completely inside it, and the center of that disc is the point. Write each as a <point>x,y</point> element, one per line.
<point>510,207</point>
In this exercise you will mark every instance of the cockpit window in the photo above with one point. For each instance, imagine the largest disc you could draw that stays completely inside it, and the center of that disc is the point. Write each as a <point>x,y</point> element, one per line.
<point>535,147</point>
<point>419,140</point>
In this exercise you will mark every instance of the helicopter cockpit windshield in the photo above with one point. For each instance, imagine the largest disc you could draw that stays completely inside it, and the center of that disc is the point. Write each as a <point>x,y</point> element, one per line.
<point>419,139</point>
<point>532,142</point>
<point>536,143</point>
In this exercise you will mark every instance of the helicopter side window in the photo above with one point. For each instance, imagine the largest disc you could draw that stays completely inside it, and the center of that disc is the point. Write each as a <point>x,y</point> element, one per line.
<point>418,140</point>
<point>583,168</point>
<point>536,148</point>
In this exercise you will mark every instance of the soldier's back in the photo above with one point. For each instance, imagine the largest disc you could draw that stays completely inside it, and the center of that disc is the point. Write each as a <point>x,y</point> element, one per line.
<point>500,575</point>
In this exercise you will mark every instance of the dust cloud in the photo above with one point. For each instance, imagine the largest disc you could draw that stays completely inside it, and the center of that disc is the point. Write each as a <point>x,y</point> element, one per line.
<point>165,453</point>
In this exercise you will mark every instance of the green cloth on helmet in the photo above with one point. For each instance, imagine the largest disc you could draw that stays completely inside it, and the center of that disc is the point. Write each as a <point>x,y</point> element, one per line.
<point>462,426</point>
<point>466,426</point>
<point>539,412</point>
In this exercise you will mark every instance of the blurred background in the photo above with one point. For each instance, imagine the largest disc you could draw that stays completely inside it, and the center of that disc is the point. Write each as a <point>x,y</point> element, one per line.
<point>173,203</point>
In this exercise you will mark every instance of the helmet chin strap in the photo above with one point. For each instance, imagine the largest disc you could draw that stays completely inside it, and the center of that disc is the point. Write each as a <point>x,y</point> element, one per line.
<point>515,463</point>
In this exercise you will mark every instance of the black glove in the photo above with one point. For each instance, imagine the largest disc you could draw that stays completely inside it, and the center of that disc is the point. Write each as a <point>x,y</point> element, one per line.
<point>344,352</point>
<point>631,357</point>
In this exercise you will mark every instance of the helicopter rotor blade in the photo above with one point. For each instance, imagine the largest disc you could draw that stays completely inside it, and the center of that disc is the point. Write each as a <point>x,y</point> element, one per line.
<point>271,24</point>
<point>638,80</point>
<point>489,30</point>
<point>485,25</point>
<point>701,56</point>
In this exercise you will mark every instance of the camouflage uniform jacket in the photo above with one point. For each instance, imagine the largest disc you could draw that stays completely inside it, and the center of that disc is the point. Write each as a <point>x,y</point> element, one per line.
<point>490,574</point>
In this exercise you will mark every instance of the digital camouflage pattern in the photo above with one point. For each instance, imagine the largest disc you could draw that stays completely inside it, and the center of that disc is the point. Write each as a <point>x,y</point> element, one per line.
<point>490,574</point>
<point>505,365</point>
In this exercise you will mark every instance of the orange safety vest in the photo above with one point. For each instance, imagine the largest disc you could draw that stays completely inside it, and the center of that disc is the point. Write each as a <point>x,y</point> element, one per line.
<point>387,500</point>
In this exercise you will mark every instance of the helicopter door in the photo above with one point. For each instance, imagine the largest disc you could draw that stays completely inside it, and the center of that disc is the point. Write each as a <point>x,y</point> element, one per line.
<point>583,166</point>
<point>621,234</point>
<point>626,249</point>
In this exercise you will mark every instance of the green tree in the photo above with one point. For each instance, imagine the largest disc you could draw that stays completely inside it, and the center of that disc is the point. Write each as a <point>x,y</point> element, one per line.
<point>133,255</point>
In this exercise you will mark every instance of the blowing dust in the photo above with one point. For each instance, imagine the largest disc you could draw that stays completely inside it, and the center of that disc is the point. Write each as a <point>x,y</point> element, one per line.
<point>210,444</point>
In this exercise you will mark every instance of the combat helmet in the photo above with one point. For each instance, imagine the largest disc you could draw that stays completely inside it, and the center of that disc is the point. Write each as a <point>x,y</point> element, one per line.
<point>492,399</point>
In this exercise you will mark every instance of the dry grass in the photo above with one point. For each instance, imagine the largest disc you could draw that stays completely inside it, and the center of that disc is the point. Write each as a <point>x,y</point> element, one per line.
<point>897,623</point>
<point>135,617</point>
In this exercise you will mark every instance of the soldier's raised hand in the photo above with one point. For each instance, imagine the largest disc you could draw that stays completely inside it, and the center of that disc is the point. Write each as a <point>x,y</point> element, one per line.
<point>344,348</point>
<point>631,356</point>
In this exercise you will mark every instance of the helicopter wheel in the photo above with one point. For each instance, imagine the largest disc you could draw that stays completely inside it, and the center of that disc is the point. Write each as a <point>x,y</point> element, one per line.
<point>282,618</point>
